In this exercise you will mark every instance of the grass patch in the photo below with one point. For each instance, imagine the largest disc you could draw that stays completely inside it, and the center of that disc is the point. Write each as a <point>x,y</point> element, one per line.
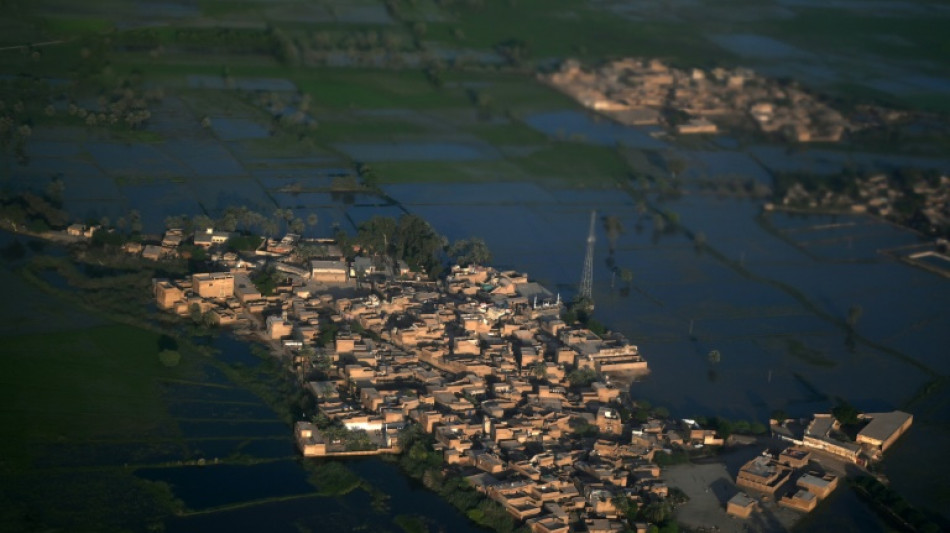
<point>411,523</point>
<point>374,89</point>
<point>563,28</point>
<point>101,382</point>
<point>576,164</point>
<point>98,500</point>
<point>511,91</point>
<point>513,133</point>
<point>560,163</point>
<point>848,31</point>
<point>333,478</point>
<point>70,26</point>
<point>365,129</point>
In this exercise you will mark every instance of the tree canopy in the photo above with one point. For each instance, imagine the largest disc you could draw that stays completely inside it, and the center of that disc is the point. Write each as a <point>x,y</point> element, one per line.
<point>473,251</point>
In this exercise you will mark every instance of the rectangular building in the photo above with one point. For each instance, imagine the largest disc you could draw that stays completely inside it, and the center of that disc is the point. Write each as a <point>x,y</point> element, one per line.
<point>213,285</point>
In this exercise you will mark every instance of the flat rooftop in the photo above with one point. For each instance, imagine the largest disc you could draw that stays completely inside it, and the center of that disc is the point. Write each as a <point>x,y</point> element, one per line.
<point>883,425</point>
<point>820,426</point>
<point>741,499</point>
<point>814,481</point>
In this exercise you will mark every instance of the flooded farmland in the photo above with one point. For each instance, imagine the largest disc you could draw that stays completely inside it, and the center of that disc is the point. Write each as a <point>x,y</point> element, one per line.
<point>770,291</point>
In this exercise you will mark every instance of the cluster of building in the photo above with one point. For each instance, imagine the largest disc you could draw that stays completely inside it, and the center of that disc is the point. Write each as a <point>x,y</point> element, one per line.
<point>787,478</point>
<point>792,480</point>
<point>483,363</point>
<point>878,194</point>
<point>636,91</point>
<point>231,296</point>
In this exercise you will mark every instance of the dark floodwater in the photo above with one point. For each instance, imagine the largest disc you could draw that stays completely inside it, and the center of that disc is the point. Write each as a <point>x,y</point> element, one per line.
<point>201,487</point>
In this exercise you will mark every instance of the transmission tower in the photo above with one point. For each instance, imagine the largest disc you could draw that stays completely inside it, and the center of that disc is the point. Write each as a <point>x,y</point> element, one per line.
<point>587,278</point>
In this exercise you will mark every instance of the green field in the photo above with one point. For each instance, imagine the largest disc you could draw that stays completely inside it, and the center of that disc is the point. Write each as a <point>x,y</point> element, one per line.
<point>79,385</point>
<point>65,391</point>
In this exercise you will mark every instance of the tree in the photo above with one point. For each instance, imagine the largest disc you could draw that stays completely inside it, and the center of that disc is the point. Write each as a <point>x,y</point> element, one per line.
<point>135,221</point>
<point>312,219</point>
<point>201,222</point>
<point>846,413</point>
<point>177,222</point>
<point>657,512</point>
<point>539,370</point>
<point>467,252</point>
<point>582,377</point>
<point>418,244</point>
<point>377,235</point>
<point>194,312</point>
<point>614,229</point>
<point>854,315</point>
<point>626,275</point>
<point>699,239</point>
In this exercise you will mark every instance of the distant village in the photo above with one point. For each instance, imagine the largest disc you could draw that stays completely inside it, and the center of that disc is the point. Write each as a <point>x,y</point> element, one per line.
<point>642,92</point>
<point>529,409</point>
<point>925,197</point>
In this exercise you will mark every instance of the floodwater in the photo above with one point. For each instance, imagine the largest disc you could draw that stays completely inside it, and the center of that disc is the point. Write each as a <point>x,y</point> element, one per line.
<point>771,293</point>
<point>576,125</point>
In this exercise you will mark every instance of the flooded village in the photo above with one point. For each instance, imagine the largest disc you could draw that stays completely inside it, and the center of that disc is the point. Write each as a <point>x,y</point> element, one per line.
<point>199,337</point>
<point>643,92</point>
<point>532,411</point>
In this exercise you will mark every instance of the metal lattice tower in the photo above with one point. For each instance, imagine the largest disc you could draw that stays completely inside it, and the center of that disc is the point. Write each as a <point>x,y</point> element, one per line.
<point>587,278</point>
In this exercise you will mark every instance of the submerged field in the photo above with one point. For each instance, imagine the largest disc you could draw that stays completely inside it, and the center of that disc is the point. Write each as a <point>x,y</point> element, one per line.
<point>102,434</point>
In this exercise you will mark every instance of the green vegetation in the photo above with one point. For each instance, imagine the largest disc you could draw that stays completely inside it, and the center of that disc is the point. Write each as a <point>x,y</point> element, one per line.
<point>64,389</point>
<point>333,478</point>
<point>240,243</point>
<point>533,29</point>
<point>474,251</point>
<point>846,413</point>
<point>582,377</point>
<point>409,238</point>
<point>352,440</point>
<point>411,523</point>
<point>266,279</point>
<point>421,462</point>
<point>97,382</point>
<point>851,30</point>
<point>169,358</point>
<point>575,164</point>
<point>675,457</point>
<point>374,89</point>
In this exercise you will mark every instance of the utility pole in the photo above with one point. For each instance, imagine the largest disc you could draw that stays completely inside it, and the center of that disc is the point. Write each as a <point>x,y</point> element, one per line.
<point>587,278</point>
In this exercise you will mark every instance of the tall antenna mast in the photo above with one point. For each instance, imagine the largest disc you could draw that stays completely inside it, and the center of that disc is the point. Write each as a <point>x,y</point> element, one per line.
<point>587,278</point>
